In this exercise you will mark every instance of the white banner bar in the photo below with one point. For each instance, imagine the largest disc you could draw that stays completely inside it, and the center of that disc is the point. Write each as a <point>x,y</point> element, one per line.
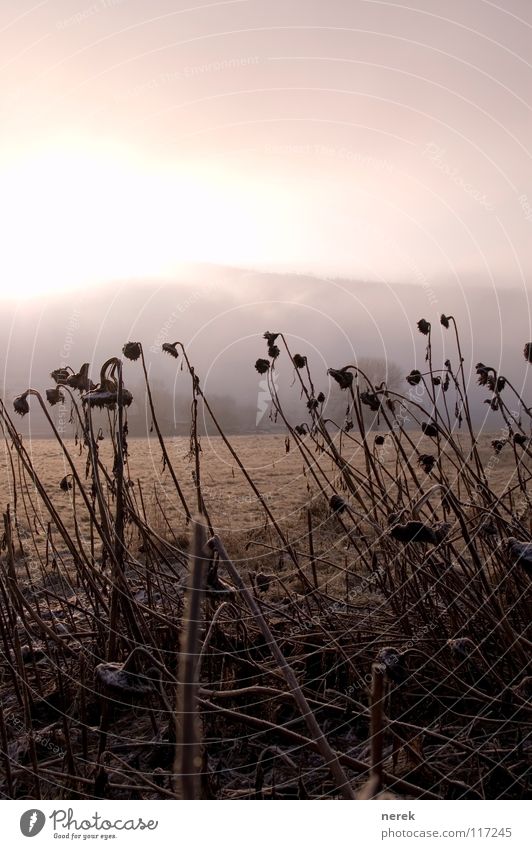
<point>261,825</point>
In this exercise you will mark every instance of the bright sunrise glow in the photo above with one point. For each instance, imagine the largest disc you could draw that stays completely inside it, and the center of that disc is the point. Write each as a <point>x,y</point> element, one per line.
<point>138,140</point>
<point>75,215</point>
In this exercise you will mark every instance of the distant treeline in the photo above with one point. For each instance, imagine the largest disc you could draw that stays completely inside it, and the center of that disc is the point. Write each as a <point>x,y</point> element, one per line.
<point>174,413</point>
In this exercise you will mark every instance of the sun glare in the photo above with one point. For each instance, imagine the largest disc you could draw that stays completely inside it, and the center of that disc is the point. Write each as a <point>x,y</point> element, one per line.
<point>74,217</point>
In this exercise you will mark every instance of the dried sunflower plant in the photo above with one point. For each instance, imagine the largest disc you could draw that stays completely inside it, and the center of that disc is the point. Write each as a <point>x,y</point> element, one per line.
<point>375,643</point>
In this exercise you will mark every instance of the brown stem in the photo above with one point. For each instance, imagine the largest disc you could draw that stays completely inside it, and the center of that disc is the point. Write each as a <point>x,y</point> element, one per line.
<point>331,759</point>
<point>188,759</point>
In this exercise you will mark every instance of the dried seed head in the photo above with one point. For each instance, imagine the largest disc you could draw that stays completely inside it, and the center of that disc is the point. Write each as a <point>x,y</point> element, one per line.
<point>462,646</point>
<point>487,528</point>
<point>379,439</point>
<point>371,400</point>
<point>519,439</point>
<point>342,376</point>
<point>65,484</point>
<point>113,678</point>
<point>414,377</point>
<point>389,655</point>
<point>216,586</point>
<point>54,396</point>
<point>441,530</point>
<point>414,532</point>
<point>337,503</point>
<point>132,350</point>
<point>501,383</point>
<point>170,348</point>
<point>444,321</point>
<point>523,688</point>
<point>81,380</point>
<point>299,361</point>
<point>430,429</point>
<point>528,352</point>
<point>320,398</point>
<point>31,655</point>
<point>262,366</point>
<point>20,404</point>
<point>482,374</point>
<point>426,461</point>
<point>520,553</point>
<point>60,375</point>
<point>273,351</point>
<point>270,337</point>
<point>395,517</point>
<point>263,582</point>
<point>423,326</point>
<point>497,445</point>
<point>300,430</point>
<point>393,662</point>
<point>103,398</point>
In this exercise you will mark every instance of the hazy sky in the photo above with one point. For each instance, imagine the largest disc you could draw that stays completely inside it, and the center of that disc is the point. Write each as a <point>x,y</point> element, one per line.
<point>380,140</point>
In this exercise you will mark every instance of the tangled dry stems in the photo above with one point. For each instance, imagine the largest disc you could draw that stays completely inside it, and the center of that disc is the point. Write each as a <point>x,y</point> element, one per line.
<point>405,671</point>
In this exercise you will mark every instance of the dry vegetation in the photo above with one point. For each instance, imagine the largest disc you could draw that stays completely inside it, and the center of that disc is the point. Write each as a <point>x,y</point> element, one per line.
<point>344,612</point>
